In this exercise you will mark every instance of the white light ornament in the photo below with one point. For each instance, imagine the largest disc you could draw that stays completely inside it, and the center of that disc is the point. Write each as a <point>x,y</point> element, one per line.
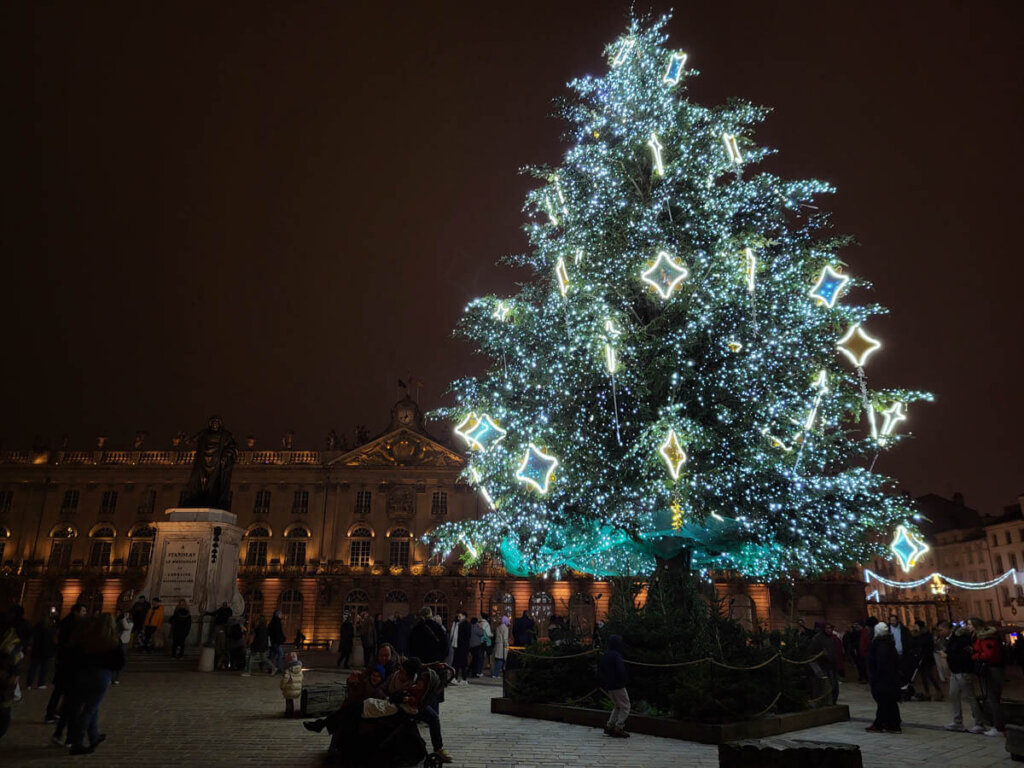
<point>977,585</point>
<point>484,434</point>
<point>858,346</point>
<point>732,148</point>
<point>665,274</point>
<point>676,63</point>
<point>537,469</point>
<point>821,385</point>
<point>751,268</point>
<point>893,415</point>
<point>907,548</point>
<point>466,426</point>
<point>828,287</point>
<point>656,147</point>
<point>673,454</point>
<point>624,49</point>
<point>777,442</point>
<point>611,359</point>
<point>562,275</point>
<point>501,310</point>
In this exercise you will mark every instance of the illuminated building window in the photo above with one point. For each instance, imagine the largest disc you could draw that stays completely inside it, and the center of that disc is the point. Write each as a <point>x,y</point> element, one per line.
<point>359,551</point>
<point>398,547</point>
<point>60,548</point>
<point>147,503</point>
<point>438,603</point>
<point>291,612</point>
<point>102,544</point>
<point>356,602</point>
<point>439,503</point>
<point>300,503</point>
<point>256,546</point>
<point>262,504</point>
<point>295,552</point>
<point>141,549</point>
<point>363,499</point>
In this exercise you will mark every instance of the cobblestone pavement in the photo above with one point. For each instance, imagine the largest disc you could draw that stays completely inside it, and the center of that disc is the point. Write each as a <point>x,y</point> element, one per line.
<point>166,714</point>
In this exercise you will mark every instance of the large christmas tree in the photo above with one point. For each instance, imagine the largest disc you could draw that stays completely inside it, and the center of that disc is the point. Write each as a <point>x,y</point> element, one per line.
<point>682,380</point>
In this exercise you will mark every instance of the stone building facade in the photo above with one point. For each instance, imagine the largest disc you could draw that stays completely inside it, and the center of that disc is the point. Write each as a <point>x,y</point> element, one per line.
<point>326,531</point>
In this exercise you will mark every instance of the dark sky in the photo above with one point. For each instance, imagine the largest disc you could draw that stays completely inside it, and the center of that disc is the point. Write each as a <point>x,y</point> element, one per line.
<point>274,211</point>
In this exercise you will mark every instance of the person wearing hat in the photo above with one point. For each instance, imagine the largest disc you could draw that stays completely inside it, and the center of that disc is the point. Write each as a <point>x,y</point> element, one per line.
<point>884,678</point>
<point>291,683</point>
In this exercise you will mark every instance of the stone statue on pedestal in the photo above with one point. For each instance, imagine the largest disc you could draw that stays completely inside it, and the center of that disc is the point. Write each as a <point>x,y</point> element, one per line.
<point>209,485</point>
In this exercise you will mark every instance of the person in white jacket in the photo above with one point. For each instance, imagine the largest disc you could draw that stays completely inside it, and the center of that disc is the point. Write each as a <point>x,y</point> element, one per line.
<point>500,646</point>
<point>125,626</point>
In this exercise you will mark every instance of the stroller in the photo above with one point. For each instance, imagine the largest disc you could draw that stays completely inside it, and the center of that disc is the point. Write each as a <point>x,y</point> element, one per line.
<point>908,676</point>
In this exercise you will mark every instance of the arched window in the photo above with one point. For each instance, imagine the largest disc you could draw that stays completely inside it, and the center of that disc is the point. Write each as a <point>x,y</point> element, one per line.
<point>291,612</point>
<point>62,537</point>
<point>253,603</point>
<point>438,603</point>
<point>295,552</point>
<point>356,602</point>
<point>141,550</point>
<point>359,549</point>
<point>541,608</point>
<point>741,609</point>
<point>503,605</point>
<point>582,615</point>
<point>92,600</point>
<point>398,547</point>
<point>256,539</point>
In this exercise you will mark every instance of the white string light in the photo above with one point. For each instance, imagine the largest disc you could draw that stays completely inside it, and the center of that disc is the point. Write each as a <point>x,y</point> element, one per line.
<point>977,585</point>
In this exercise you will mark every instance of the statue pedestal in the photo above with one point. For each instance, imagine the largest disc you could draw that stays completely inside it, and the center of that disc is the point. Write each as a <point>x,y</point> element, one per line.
<point>195,559</point>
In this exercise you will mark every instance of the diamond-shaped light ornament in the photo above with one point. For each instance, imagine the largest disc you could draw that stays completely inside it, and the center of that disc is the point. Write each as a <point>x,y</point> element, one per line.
<point>827,289</point>
<point>896,413</point>
<point>907,548</point>
<point>857,345</point>
<point>676,63</point>
<point>665,274</point>
<point>537,468</point>
<point>673,454</point>
<point>485,434</point>
<point>466,426</point>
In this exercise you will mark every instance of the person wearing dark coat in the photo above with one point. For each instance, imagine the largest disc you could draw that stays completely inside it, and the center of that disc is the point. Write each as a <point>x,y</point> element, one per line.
<point>963,682</point>
<point>611,671</point>
<point>427,639</point>
<point>884,678</point>
<point>277,639</point>
<point>138,611</point>
<point>62,666</point>
<point>522,630</point>
<point>348,633</point>
<point>923,643</point>
<point>44,645</point>
<point>460,660</point>
<point>181,625</point>
<point>96,654</point>
<point>828,661</point>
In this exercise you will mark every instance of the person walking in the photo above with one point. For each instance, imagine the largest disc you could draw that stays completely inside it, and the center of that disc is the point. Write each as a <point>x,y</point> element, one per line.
<point>62,665</point>
<point>345,641</point>
<point>924,651</point>
<point>460,660</point>
<point>138,611</point>
<point>822,644</point>
<point>962,680</point>
<point>367,635</point>
<point>259,648</point>
<point>427,639</point>
<point>275,633</point>
<point>883,666</point>
<point>611,670</point>
<point>99,654</point>
<point>500,646</point>
<point>153,623</point>
<point>987,654</point>
<point>181,625</point>
<point>476,647</point>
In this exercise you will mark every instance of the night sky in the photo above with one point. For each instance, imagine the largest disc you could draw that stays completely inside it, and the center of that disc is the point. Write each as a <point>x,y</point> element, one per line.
<point>275,211</point>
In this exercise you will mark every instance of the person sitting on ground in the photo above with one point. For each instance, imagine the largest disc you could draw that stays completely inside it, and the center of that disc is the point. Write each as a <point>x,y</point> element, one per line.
<point>388,658</point>
<point>291,683</point>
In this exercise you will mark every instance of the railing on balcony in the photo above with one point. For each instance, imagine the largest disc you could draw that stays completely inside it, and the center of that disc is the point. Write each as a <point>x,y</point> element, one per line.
<point>154,458</point>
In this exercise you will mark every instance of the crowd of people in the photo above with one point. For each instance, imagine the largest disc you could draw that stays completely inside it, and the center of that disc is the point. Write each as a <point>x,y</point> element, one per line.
<point>964,661</point>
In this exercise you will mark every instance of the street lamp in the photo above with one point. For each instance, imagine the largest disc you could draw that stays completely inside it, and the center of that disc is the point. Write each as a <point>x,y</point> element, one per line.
<point>941,593</point>
<point>481,586</point>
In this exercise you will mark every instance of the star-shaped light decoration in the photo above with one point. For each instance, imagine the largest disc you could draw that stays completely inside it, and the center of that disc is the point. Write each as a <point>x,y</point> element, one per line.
<point>537,468</point>
<point>829,284</point>
<point>676,62</point>
<point>501,310</point>
<point>857,345</point>
<point>894,414</point>
<point>466,426</point>
<point>624,49</point>
<point>563,276</point>
<point>908,548</point>
<point>665,274</point>
<point>673,454</point>
<point>485,433</point>
<point>656,147</point>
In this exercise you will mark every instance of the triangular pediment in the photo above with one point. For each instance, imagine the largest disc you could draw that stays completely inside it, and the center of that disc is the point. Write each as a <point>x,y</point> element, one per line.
<point>401,448</point>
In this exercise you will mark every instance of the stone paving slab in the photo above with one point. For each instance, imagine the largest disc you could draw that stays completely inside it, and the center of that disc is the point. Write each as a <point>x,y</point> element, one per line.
<point>165,714</point>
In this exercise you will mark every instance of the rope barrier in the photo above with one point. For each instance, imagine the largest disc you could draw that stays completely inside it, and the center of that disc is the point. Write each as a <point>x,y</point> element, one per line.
<point>707,659</point>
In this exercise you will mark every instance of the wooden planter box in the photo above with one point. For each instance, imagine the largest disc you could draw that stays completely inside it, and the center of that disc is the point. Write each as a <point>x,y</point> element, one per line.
<point>704,733</point>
